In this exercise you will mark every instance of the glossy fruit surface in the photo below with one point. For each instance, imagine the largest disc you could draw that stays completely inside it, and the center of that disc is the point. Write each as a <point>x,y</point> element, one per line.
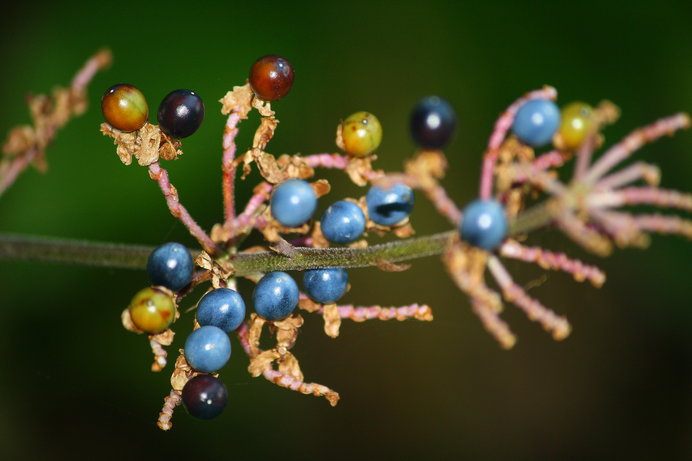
<point>223,308</point>
<point>293,202</point>
<point>484,224</point>
<point>343,222</point>
<point>181,113</point>
<point>361,134</point>
<point>207,349</point>
<point>205,396</point>
<point>432,123</point>
<point>388,206</point>
<point>124,107</point>
<point>271,77</point>
<point>275,296</point>
<point>170,265</point>
<point>536,122</point>
<point>152,310</point>
<point>325,285</point>
<point>577,120</point>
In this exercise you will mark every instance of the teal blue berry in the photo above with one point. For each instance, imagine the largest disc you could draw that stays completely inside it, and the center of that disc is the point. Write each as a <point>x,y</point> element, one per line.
<point>207,349</point>
<point>536,122</point>
<point>293,203</point>
<point>223,308</point>
<point>275,296</point>
<point>343,222</point>
<point>388,206</point>
<point>484,224</point>
<point>325,285</point>
<point>170,265</point>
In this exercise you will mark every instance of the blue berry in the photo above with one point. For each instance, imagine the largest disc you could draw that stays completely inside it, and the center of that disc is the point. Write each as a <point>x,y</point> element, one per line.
<point>536,122</point>
<point>205,396</point>
<point>484,224</point>
<point>293,203</point>
<point>207,349</point>
<point>389,206</point>
<point>433,122</point>
<point>170,265</point>
<point>343,222</point>
<point>275,296</point>
<point>325,285</point>
<point>223,308</point>
<point>181,113</point>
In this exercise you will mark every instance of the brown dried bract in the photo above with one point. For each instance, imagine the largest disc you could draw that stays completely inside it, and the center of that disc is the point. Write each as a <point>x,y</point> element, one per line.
<point>360,170</point>
<point>147,145</point>
<point>332,320</point>
<point>238,100</point>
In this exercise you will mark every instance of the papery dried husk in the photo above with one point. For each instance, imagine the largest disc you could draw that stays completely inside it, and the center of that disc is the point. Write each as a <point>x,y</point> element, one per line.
<point>240,100</point>
<point>332,320</point>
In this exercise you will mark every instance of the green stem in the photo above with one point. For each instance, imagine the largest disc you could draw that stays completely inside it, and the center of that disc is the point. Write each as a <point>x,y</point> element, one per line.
<point>18,247</point>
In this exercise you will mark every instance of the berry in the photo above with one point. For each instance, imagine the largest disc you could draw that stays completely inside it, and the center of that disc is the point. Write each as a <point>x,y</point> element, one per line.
<point>124,107</point>
<point>223,308</point>
<point>170,265</point>
<point>152,310</point>
<point>361,134</point>
<point>205,396</point>
<point>293,202</point>
<point>181,113</point>
<point>389,206</point>
<point>536,122</point>
<point>275,296</point>
<point>484,224</point>
<point>207,349</point>
<point>325,285</point>
<point>271,77</point>
<point>577,119</point>
<point>343,222</point>
<point>433,122</point>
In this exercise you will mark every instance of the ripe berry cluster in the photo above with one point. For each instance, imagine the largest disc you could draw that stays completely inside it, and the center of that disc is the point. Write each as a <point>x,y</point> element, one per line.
<point>285,203</point>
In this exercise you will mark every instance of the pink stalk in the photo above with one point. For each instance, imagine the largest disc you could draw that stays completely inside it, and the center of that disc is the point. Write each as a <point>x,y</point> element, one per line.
<point>585,236</point>
<point>634,141</point>
<point>537,312</point>
<point>361,314</point>
<point>445,206</point>
<point>160,175</point>
<point>493,324</point>
<point>171,401</point>
<point>14,168</point>
<point>160,355</point>
<point>94,64</point>
<point>642,195</point>
<point>227,166</point>
<point>552,159</point>
<point>553,261</point>
<point>327,161</point>
<point>502,126</point>
<point>662,224</point>
<point>640,170</point>
<point>282,379</point>
<point>247,218</point>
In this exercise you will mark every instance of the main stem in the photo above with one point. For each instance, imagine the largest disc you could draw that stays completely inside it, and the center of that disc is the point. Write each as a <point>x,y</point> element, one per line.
<point>18,247</point>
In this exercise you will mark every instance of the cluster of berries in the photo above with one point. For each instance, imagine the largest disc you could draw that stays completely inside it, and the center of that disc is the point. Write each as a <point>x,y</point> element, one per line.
<point>292,204</point>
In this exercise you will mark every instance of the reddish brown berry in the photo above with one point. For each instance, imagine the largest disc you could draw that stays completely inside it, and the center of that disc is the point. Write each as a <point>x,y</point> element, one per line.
<point>271,77</point>
<point>124,107</point>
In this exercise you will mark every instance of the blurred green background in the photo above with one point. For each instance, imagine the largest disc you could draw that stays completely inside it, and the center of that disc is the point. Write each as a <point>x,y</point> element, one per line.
<point>74,383</point>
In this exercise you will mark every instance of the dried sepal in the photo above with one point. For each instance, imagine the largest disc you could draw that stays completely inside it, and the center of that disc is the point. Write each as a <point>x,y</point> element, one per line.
<point>19,140</point>
<point>128,324</point>
<point>360,170</point>
<point>332,320</point>
<point>238,100</point>
<point>147,145</point>
<point>288,365</point>
<point>262,362</point>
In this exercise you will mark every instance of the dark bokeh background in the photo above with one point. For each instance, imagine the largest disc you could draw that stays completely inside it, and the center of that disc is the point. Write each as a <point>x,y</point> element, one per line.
<point>74,383</point>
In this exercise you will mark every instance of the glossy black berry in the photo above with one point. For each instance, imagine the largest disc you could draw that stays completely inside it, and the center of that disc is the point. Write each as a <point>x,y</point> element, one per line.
<point>181,113</point>
<point>205,397</point>
<point>433,122</point>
